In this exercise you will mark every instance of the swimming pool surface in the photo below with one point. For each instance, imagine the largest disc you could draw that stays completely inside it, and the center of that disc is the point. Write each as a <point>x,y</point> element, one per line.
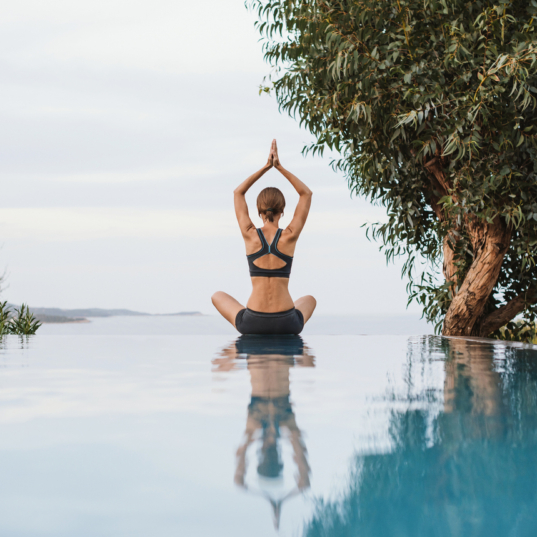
<point>320,436</point>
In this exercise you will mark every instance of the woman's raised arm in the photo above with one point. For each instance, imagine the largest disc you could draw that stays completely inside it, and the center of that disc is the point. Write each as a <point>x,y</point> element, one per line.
<point>304,203</point>
<point>241,207</point>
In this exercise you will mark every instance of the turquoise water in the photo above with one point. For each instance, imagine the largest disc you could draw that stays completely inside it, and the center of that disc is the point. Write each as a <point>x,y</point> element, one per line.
<point>324,435</point>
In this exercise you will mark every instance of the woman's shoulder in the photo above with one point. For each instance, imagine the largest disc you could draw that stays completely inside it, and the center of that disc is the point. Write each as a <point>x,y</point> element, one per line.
<point>252,241</point>
<point>289,235</point>
<point>287,242</point>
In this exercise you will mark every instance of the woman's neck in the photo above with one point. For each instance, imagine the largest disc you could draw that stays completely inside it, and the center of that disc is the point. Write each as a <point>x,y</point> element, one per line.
<point>271,225</point>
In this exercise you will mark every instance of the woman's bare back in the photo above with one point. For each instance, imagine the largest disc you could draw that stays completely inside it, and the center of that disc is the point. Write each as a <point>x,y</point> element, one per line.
<point>270,294</point>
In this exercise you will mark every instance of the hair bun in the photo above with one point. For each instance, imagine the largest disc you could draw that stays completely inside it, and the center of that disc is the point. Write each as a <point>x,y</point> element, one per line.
<point>270,203</point>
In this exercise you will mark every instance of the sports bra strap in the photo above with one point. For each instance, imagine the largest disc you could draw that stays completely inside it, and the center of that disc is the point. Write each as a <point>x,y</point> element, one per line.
<point>262,239</point>
<point>266,249</point>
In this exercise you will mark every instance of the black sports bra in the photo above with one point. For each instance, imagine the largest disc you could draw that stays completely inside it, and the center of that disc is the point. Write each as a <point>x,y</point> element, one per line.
<point>266,249</point>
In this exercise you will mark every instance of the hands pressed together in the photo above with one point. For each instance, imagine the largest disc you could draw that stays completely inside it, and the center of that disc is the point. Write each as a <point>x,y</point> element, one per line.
<point>273,159</point>
<point>304,202</point>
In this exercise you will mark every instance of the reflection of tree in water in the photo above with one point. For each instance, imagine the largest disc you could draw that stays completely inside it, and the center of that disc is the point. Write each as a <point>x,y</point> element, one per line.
<point>271,419</point>
<point>478,476</point>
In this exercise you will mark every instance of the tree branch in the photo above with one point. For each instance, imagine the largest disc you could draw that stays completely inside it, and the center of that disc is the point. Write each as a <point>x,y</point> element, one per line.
<point>438,185</point>
<point>506,313</point>
<point>433,199</point>
<point>435,167</point>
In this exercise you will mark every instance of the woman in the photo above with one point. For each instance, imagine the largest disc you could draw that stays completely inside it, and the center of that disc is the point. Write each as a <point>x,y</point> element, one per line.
<point>269,250</point>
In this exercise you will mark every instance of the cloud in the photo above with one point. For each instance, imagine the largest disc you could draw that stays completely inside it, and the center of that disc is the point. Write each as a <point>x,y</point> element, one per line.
<point>71,224</point>
<point>89,223</point>
<point>163,35</point>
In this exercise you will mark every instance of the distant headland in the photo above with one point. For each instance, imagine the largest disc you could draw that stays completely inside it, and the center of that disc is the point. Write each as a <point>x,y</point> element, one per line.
<point>58,315</point>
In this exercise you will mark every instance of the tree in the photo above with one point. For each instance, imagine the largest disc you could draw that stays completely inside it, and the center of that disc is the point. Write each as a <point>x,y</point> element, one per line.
<point>431,107</point>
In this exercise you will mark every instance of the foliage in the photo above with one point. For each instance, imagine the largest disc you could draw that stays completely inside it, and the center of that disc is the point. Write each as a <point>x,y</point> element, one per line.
<point>5,316</point>
<point>518,331</point>
<point>22,324</point>
<point>395,85</point>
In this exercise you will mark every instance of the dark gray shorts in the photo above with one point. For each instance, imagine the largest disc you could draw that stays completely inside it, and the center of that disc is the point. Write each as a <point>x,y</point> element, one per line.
<point>283,322</point>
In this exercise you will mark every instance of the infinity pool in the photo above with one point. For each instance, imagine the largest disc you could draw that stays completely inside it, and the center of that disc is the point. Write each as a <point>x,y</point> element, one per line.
<point>320,436</point>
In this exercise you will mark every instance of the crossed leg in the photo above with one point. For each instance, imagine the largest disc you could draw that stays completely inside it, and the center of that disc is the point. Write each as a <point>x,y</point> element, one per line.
<point>227,306</point>
<point>306,305</point>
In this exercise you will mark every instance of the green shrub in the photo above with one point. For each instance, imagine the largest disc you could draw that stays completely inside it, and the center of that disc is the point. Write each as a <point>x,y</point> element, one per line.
<point>517,331</point>
<point>23,323</point>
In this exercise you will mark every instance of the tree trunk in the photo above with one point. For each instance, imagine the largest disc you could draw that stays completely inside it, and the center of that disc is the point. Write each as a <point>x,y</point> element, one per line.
<point>449,267</point>
<point>490,243</point>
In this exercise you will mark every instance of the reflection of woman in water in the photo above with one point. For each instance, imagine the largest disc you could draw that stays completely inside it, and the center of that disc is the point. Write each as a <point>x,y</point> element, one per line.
<point>270,309</point>
<point>271,420</point>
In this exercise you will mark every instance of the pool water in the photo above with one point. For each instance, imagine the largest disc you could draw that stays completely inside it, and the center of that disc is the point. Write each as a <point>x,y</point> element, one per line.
<point>215,435</point>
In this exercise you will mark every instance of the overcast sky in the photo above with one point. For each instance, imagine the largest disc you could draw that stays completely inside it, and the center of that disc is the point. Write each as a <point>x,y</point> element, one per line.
<point>125,127</point>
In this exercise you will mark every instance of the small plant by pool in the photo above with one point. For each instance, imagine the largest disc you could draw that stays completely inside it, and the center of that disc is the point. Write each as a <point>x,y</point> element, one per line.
<point>22,323</point>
